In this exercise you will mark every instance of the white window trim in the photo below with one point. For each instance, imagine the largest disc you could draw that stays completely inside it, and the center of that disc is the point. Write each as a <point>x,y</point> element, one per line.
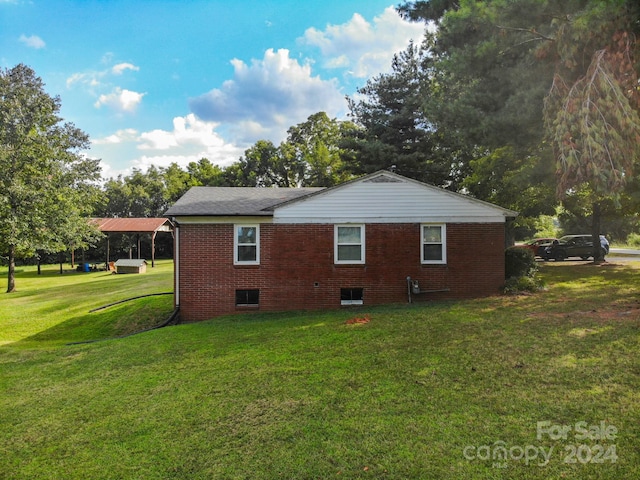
<point>362,244</point>
<point>235,244</point>
<point>443,232</point>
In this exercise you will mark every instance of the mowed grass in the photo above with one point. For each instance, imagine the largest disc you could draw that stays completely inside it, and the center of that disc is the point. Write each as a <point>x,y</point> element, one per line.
<point>421,391</point>
<point>53,308</point>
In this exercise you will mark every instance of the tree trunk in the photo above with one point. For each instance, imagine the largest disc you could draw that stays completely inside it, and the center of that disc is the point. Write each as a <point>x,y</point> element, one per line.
<point>11,276</point>
<point>509,234</point>
<point>595,233</point>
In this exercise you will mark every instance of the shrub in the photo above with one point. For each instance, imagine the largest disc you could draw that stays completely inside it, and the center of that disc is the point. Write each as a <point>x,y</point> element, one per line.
<point>516,285</point>
<point>519,262</point>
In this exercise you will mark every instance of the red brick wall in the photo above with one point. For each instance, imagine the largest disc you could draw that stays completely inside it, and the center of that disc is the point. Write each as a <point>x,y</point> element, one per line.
<point>297,271</point>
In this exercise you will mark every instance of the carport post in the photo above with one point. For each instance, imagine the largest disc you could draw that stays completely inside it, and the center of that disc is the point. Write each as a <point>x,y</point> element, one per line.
<point>108,247</point>
<point>153,249</point>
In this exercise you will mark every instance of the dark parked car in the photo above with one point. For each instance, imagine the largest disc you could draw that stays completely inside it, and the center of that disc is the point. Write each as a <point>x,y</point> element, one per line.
<point>574,246</point>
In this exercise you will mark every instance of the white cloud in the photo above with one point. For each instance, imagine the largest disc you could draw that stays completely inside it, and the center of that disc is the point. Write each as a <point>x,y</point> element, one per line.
<point>121,136</point>
<point>33,41</point>
<point>120,100</point>
<point>188,133</point>
<point>190,140</point>
<point>121,67</point>
<point>366,49</point>
<point>269,95</point>
<point>99,79</point>
<point>90,79</point>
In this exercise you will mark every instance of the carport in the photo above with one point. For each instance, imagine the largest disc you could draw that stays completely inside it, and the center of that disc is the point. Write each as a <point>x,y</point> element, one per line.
<point>134,226</point>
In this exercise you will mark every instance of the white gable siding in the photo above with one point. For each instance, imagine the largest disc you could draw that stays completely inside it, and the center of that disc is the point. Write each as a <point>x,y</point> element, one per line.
<point>388,200</point>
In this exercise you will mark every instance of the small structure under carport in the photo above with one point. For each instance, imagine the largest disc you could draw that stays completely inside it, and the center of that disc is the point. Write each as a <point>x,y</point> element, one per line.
<point>131,266</point>
<point>137,226</point>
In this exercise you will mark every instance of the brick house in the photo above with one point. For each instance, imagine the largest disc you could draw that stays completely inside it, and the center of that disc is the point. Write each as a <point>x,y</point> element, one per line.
<point>379,239</point>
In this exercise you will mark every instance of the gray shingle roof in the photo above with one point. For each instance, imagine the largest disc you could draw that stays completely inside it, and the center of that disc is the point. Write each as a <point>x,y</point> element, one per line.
<point>233,201</point>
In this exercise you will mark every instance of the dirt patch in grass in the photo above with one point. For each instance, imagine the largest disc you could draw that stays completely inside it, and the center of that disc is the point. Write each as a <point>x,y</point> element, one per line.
<point>358,320</point>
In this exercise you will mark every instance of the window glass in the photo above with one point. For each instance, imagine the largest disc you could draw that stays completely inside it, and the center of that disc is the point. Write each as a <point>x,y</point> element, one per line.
<point>247,297</point>
<point>246,235</point>
<point>349,235</point>
<point>432,252</point>
<point>246,253</point>
<point>432,233</point>
<point>349,252</point>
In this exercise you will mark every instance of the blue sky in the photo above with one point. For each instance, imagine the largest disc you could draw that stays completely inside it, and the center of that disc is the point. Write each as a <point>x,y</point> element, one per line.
<point>160,81</point>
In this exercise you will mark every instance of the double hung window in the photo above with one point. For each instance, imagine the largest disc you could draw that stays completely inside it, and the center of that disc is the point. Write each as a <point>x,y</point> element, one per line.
<point>434,245</point>
<point>246,245</point>
<point>349,244</point>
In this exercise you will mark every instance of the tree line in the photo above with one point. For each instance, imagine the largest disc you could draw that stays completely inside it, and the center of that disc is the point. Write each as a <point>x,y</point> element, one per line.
<point>530,104</point>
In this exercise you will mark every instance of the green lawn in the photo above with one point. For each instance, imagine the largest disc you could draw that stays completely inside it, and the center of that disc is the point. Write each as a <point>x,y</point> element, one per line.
<point>51,308</point>
<point>418,392</point>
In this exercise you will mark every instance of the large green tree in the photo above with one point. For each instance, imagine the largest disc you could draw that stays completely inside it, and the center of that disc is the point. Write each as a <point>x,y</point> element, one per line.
<point>177,181</point>
<point>140,194</point>
<point>312,155</point>
<point>316,147</point>
<point>205,173</point>
<point>396,130</point>
<point>495,63</point>
<point>592,108</point>
<point>261,166</point>
<point>47,187</point>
